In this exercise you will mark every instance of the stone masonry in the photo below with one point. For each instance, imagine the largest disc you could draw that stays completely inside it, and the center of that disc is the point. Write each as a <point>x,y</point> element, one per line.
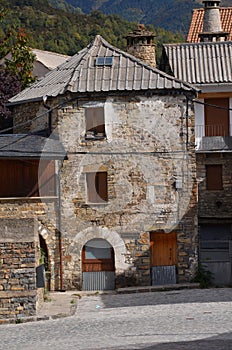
<point>17,268</point>
<point>150,162</point>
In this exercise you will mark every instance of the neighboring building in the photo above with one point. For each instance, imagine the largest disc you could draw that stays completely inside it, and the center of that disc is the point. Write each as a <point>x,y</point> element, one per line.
<point>120,208</point>
<point>212,19</point>
<point>45,61</point>
<point>208,65</point>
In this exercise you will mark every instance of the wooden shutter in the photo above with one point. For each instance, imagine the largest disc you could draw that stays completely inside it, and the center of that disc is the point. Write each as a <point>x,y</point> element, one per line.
<point>19,178</point>
<point>214,177</point>
<point>95,120</point>
<point>217,119</point>
<point>47,183</point>
<point>97,187</point>
<point>101,186</point>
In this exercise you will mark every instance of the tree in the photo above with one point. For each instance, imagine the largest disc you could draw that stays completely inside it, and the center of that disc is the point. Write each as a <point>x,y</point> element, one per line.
<point>9,86</point>
<point>21,60</point>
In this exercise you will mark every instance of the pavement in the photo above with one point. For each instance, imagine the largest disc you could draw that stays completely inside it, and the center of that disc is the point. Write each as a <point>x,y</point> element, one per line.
<point>64,304</point>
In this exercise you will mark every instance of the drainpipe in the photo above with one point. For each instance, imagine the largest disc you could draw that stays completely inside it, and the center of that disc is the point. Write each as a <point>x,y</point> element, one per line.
<point>60,229</point>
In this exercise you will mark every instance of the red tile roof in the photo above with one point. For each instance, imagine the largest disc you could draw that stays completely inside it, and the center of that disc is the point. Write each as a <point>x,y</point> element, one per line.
<point>196,25</point>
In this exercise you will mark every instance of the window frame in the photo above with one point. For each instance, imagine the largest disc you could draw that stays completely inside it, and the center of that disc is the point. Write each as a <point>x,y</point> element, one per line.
<point>97,187</point>
<point>95,123</point>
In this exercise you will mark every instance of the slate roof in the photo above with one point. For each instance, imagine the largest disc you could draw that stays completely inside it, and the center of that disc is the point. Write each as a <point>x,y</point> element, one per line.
<point>199,63</point>
<point>80,74</point>
<point>30,146</point>
<point>196,25</point>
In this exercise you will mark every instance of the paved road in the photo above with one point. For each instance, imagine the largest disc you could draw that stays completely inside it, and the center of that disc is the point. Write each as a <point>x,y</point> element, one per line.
<point>174,320</point>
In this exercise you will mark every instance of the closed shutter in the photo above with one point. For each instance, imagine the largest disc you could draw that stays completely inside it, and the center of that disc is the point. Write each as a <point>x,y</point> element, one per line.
<point>19,178</point>
<point>214,177</point>
<point>217,119</point>
<point>95,120</point>
<point>47,180</point>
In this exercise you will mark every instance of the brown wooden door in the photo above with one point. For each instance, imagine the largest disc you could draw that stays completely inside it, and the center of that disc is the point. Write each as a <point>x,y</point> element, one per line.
<point>98,264</point>
<point>217,119</point>
<point>163,249</point>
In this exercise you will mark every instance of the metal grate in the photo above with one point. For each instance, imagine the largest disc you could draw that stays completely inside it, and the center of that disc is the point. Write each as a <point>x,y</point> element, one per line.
<point>103,280</point>
<point>162,275</point>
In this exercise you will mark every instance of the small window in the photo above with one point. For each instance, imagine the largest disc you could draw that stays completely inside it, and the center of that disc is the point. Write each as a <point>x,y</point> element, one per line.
<point>95,123</point>
<point>214,177</point>
<point>97,190</point>
<point>104,61</point>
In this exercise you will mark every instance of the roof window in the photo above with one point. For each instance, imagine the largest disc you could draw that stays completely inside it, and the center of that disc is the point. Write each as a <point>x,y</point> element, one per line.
<point>104,61</point>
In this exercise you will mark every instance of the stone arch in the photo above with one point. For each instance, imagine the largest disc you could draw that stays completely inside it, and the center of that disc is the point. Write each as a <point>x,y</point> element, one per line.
<point>112,237</point>
<point>49,240</point>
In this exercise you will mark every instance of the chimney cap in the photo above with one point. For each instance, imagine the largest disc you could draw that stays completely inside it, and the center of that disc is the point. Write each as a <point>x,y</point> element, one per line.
<point>140,32</point>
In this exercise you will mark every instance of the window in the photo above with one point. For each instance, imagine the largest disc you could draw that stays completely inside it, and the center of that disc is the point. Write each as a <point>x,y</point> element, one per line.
<point>97,190</point>
<point>104,61</point>
<point>27,178</point>
<point>214,177</point>
<point>217,119</point>
<point>95,123</point>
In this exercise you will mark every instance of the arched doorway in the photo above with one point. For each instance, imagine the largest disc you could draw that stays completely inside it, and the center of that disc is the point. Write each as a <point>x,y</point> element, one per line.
<point>98,268</point>
<point>44,262</point>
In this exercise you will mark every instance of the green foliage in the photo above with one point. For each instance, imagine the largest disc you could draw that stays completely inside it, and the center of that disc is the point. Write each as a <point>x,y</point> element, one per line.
<point>203,276</point>
<point>53,29</point>
<point>173,15</point>
<point>21,60</point>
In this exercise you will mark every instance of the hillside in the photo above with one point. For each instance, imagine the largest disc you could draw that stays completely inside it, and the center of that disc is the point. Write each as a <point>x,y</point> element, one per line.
<point>173,15</point>
<point>65,32</point>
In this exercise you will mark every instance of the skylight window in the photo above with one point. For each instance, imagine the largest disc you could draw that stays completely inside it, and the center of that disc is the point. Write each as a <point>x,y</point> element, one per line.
<point>104,61</point>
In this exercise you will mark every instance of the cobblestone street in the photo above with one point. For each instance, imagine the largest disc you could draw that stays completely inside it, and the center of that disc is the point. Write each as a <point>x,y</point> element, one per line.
<point>186,319</point>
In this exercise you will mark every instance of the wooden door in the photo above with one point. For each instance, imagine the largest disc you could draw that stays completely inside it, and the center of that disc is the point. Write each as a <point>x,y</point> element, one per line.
<point>96,259</point>
<point>163,249</point>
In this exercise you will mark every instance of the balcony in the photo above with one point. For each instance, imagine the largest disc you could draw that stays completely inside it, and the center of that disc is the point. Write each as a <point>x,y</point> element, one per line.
<point>213,138</point>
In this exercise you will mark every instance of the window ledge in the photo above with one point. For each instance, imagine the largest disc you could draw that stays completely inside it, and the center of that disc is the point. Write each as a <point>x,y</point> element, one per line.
<point>27,198</point>
<point>98,204</point>
<point>95,138</point>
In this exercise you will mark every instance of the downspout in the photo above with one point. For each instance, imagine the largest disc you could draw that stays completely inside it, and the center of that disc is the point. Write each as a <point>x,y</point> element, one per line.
<point>60,228</point>
<point>187,122</point>
<point>59,206</point>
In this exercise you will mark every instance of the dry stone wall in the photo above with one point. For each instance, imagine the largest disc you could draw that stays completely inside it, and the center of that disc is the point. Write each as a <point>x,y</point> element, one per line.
<point>17,268</point>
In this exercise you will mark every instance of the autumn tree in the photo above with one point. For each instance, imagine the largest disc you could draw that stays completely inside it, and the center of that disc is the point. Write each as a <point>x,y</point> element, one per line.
<point>21,59</point>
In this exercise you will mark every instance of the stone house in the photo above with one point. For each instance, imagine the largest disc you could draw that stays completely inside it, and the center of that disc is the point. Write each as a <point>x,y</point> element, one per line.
<point>208,65</point>
<point>112,190</point>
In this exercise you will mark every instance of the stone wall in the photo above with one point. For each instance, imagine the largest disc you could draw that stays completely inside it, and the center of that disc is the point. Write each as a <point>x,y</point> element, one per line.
<point>17,268</point>
<point>44,212</point>
<point>215,204</point>
<point>151,176</point>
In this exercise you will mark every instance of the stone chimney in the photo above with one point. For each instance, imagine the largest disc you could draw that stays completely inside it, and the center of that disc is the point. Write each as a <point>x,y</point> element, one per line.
<point>141,44</point>
<point>212,28</point>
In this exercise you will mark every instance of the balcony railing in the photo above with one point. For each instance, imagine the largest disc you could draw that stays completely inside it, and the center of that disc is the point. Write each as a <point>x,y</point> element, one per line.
<point>213,138</point>
<point>213,130</point>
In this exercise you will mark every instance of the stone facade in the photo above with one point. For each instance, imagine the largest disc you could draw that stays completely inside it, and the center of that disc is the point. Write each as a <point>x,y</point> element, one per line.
<point>17,268</point>
<point>151,180</point>
<point>215,205</point>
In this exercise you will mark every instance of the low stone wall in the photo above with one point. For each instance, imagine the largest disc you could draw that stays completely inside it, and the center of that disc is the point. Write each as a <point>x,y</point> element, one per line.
<point>17,268</point>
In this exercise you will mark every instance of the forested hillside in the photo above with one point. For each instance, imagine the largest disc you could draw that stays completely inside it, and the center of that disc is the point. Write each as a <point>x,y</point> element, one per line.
<point>171,15</point>
<point>67,32</point>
